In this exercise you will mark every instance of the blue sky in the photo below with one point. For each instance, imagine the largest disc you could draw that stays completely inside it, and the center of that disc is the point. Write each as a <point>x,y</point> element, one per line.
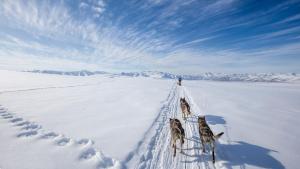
<point>190,36</point>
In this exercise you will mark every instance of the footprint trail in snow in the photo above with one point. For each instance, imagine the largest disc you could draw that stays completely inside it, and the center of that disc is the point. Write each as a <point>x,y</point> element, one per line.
<point>87,152</point>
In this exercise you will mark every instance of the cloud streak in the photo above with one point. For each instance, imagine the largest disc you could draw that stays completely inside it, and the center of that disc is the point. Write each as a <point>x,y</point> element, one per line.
<point>177,36</point>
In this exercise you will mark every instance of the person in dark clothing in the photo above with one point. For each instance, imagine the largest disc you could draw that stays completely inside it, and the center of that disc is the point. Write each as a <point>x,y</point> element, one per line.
<point>179,81</point>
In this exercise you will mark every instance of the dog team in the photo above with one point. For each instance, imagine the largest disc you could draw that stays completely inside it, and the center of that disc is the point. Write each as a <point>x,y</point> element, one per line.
<point>206,134</point>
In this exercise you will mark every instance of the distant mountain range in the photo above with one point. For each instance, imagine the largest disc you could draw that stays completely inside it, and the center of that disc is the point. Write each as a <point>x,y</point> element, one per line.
<point>71,73</point>
<point>247,77</point>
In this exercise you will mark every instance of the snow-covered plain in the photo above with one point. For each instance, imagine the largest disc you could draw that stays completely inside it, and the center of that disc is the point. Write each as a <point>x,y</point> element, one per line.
<point>102,121</point>
<point>259,119</point>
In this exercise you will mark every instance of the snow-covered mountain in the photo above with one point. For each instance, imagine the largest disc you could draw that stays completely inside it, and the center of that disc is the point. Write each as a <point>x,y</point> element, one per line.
<point>247,77</point>
<point>72,73</point>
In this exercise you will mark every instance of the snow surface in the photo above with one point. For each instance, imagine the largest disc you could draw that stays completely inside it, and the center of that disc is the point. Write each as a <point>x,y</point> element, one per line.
<point>102,121</point>
<point>259,120</point>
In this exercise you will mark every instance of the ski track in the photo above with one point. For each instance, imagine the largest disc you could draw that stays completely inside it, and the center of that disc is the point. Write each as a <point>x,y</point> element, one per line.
<point>159,152</point>
<point>87,151</point>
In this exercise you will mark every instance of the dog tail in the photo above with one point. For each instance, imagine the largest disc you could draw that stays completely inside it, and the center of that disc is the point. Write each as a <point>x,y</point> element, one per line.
<point>218,135</point>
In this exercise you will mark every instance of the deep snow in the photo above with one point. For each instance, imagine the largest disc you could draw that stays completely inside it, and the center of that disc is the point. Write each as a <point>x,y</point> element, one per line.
<point>103,121</point>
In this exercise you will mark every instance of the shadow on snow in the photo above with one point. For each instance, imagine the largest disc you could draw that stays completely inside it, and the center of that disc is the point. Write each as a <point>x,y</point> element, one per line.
<point>241,153</point>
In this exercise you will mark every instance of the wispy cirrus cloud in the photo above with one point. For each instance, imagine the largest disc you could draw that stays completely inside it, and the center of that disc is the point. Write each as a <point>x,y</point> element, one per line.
<point>178,36</point>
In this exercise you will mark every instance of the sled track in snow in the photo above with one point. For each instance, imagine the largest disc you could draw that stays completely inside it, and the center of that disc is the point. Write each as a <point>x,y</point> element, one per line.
<point>156,151</point>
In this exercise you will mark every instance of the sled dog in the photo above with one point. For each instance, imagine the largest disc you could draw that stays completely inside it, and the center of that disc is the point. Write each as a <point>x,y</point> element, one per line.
<point>185,108</point>
<point>177,133</point>
<point>207,136</point>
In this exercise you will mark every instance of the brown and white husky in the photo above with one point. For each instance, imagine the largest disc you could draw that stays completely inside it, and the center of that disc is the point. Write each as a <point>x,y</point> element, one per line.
<point>185,108</point>
<point>207,136</point>
<point>177,133</point>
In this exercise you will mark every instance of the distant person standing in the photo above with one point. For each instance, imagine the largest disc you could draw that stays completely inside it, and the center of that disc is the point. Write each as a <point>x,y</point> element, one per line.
<point>179,81</point>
